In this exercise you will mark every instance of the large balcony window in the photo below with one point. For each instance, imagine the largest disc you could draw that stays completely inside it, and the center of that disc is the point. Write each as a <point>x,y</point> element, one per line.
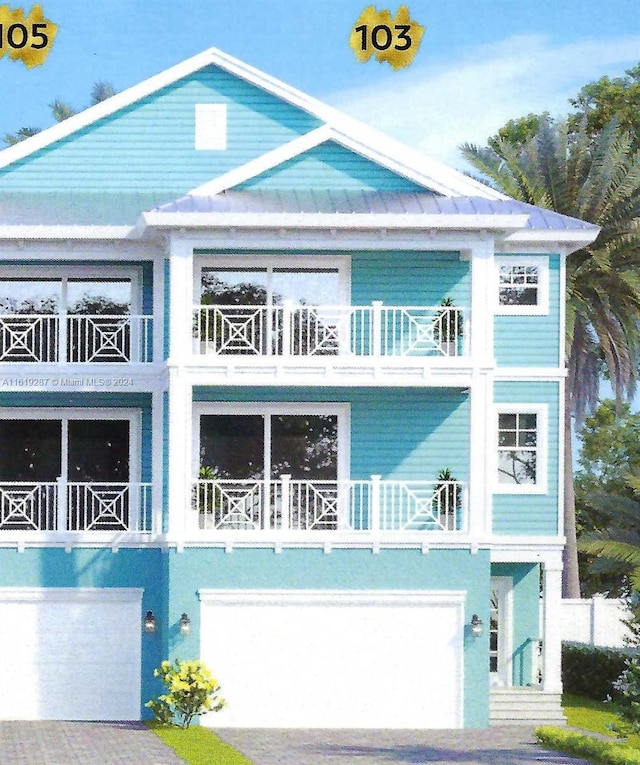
<point>72,319</point>
<point>69,473</point>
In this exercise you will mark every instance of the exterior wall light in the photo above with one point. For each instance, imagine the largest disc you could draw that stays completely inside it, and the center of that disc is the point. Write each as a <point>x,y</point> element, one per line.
<point>476,625</point>
<point>150,623</point>
<point>185,625</point>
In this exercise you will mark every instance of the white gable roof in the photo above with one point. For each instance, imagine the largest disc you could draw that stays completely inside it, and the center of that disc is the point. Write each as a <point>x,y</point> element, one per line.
<point>350,133</point>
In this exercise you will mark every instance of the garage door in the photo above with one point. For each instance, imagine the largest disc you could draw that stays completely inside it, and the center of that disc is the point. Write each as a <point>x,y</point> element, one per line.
<point>70,654</point>
<point>335,659</point>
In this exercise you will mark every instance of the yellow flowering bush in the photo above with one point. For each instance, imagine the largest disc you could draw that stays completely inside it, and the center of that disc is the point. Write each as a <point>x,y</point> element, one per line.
<point>191,690</point>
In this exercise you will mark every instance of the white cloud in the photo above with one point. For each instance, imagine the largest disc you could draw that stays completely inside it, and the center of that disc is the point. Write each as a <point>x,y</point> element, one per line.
<point>435,109</point>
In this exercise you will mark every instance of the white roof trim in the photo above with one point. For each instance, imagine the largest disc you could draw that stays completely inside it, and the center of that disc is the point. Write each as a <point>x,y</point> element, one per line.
<point>353,221</point>
<point>435,176</point>
<point>67,232</point>
<point>349,132</point>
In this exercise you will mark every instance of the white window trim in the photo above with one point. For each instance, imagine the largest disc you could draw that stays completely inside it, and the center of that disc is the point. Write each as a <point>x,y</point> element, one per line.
<point>542,306</point>
<point>340,262</point>
<point>210,129</point>
<point>134,416</point>
<point>52,273</point>
<point>342,411</point>
<point>541,412</point>
<point>503,585</point>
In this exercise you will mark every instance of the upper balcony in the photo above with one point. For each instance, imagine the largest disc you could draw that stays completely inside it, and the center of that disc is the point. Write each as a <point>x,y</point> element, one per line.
<point>331,340</point>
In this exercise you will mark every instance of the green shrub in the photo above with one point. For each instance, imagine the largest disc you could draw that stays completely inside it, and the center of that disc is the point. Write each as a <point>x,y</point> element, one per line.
<point>602,752</point>
<point>191,691</point>
<point>625,700</point>
<point>590,671</point>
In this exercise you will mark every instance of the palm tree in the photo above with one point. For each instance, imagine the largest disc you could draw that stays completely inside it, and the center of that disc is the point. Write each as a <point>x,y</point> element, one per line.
<point>61,110</point>
<point>598,180</point>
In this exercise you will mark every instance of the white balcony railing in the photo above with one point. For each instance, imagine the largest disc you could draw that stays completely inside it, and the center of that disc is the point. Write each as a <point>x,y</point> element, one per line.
<point>73,506</point>
<point>52,338</point>
<point>288,330</point>
<point>362,506</point>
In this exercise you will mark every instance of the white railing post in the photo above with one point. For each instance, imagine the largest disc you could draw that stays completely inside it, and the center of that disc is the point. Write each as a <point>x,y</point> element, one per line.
<point>286,502</point>
<point>62,489</point>
<point>374,509</point>
<point>376,328</point>
<point>135,492</point>
<point>266,503</point>
<point>62,336</point>
<point>287,316</point>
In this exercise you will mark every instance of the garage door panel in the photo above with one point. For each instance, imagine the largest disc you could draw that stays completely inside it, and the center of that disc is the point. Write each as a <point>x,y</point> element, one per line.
<point>336,664</point>
<point>70,655</point>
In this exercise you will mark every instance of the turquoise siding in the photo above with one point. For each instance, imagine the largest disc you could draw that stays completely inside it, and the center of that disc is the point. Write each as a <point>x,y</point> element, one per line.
<point>531,513</point>
<point>149,146</point>
<point>141,401</point>
<point>42,567</point>
<point>330,166</point>
<point>198,568</point>
<point>525,618</point>
<point>399,434</point>
<point>532,341</point>
<point>409,278</point>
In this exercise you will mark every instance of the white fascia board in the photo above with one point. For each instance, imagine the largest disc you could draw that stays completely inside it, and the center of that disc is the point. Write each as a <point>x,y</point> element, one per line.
<point>353,221</point>
<point>67,232</point>
<point>550,240</point>
<point>263,163</point>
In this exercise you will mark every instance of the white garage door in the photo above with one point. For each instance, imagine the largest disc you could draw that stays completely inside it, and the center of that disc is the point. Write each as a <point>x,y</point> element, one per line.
<point>337,659</point>
<point>70,654</point>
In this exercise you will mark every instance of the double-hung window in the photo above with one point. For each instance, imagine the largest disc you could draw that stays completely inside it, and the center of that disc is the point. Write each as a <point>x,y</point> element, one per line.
<point>521,449</point>
<point>523,285</point>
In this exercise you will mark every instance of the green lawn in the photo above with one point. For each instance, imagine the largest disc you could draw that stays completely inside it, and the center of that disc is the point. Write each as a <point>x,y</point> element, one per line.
<point>199,746</point>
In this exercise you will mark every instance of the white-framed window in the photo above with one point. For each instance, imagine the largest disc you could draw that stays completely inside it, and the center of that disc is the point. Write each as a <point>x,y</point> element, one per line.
<point>522,285</point>
<point>257,441</point>
<point>264,280</point>
<point>211,127</point>
<point>521,449</point>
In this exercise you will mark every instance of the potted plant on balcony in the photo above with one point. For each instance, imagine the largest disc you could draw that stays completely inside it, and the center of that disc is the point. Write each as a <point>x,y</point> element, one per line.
<point>447,500</point>
<point>448,327</point>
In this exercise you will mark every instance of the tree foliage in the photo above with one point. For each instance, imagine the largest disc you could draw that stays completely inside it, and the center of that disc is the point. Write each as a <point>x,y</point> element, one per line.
<point>61,110</point>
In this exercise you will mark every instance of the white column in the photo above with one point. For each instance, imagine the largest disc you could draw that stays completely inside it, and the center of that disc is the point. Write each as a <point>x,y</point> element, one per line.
<point>157,448</point>
<point>180,301</point>
<point>552,621</point>
<point>481,453</point>
<point>483,299</point>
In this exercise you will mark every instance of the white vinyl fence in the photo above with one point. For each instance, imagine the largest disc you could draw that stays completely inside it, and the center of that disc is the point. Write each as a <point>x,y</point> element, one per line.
<point>598,621</point>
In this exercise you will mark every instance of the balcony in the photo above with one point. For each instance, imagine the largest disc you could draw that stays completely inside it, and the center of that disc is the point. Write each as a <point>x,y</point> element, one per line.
<point>65,506</point>
<point>289,330</point>
<point>284,506</point>
<point>76,339</point>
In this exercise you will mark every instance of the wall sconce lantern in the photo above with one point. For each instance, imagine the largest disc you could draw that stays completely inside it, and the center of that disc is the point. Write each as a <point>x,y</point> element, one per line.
<point>150,623</point>
<point>185,625</point>
<point>476,625</point>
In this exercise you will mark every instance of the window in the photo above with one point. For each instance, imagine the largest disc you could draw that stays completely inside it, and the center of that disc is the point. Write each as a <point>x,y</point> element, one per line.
<point>522,285</point>
<point>520,458</point>
<point>211,127</point>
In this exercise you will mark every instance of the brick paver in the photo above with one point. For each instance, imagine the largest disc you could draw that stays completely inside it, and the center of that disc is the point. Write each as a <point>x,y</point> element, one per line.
<point>82,743</point>
<point>496,746</point>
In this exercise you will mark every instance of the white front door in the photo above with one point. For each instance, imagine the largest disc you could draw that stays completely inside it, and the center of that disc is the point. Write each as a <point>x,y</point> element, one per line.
<point>500,641</point>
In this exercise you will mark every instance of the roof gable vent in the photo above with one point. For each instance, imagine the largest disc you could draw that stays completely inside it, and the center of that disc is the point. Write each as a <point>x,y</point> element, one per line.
<point>211,127</point>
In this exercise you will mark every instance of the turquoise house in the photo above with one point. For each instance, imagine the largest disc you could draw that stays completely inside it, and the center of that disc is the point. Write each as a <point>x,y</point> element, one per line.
<point>280,393</point>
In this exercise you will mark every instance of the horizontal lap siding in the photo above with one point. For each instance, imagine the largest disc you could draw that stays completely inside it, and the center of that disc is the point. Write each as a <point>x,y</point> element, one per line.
<point>533,514</point>
<point>532,340</point>
<point>399,434</point>
<point>409,278</point>
<point>330,166</point>
<point>150,144</point>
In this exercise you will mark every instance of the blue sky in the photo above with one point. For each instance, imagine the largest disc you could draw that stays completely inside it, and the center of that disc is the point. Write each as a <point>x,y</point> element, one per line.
<point>480,63</point>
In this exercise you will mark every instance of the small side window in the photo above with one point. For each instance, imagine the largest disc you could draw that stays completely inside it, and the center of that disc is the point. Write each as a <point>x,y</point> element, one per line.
<point>521,450</point>
<point>523,285</point>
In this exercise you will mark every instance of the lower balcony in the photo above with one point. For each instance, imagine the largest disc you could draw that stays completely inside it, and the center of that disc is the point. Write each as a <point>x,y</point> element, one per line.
<point>286,506</point>
<point>61,506</point>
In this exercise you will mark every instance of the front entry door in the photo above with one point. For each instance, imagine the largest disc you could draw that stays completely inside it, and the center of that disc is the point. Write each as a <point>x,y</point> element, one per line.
<point>500,632</point>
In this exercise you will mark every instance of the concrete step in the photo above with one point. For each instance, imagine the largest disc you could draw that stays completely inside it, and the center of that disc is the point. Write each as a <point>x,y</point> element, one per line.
<point>525,706</point>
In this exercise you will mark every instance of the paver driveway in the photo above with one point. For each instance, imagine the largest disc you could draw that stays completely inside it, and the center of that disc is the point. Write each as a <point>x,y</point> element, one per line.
<point>82,743</point>
<point>496,746</point>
